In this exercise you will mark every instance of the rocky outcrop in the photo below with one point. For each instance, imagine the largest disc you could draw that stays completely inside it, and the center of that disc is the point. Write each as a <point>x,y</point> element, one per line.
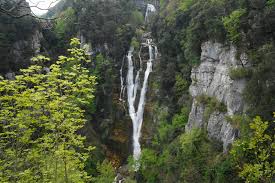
<point>33,43</point>
<point>20,43</point>
<point>211,78</point>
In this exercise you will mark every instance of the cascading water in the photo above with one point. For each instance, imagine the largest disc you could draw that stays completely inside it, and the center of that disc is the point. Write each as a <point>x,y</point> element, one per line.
<point>132,85</point>
<point>150,9</point>
<point>136,100</point>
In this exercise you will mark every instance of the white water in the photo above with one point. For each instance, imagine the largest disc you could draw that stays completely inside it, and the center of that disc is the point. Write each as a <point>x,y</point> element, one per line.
<point>132,84</point>
<point>150,9</point>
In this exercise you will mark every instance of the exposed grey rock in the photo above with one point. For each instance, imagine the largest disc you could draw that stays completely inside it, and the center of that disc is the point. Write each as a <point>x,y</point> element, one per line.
<point>196,116</point>
<point>46,70</point>
<point>24,8</point>
<point>219,129</point>
<point>212,78</point>
<point>10,76</point>
<point>20,47</point>
<point>36,41</point>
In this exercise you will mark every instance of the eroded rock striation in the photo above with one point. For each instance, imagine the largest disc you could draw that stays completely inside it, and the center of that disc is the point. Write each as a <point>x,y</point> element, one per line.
<point>212,79</point>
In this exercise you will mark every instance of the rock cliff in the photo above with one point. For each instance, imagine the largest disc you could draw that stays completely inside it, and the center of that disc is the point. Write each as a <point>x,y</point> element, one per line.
<point>33,43</point>
<point>20,42</point>
<point>212,79</point>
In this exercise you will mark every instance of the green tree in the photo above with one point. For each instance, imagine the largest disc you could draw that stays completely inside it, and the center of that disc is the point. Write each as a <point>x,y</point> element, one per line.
<point>106,173</point>
<point>255,155</point>
<point>40,114</point>
<point>271,2</point>
<point>65,23</point>
<point>232,24</point>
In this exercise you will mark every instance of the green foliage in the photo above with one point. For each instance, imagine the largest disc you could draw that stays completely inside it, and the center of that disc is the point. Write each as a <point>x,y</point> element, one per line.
<point>255,155</point>
<point>106,173</point>
<point>189,141</point>
<point>161,2</point>
<point>136,18</point>
<point>101,22</point>
<point>186,4</point>
<point>148,162</point>
<point>135,44</point>
<point>179,156</point>
<point>180,30</point>
<point>65,22</point>
<point>101,65</point>
<point>211,105</point>
<point>271,2</point>
<point>64,27</point>
<point>167,132</point>
<point>129,180</point>
<point>222,171</point>
<point>40,116</point>
<point>232,24</point>
<point>15,30</point>
<point>239,73</point>
<point>259,91</point>
<point>179,120</point>
<point>181,85</point>
<point>240,122</point>
<point>189,157</point>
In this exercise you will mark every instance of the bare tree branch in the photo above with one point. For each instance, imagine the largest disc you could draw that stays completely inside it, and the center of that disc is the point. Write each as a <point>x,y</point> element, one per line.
<point>21,5</point>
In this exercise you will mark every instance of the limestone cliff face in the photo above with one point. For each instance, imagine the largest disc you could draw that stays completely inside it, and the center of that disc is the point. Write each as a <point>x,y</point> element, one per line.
<point>211,78</point>
<point>33,43</point>
<point>23,44</point>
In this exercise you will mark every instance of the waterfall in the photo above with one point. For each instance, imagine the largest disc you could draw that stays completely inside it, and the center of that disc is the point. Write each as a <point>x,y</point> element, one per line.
<point>136,105</point>
<point>136,92</point>
<point>150,9</point>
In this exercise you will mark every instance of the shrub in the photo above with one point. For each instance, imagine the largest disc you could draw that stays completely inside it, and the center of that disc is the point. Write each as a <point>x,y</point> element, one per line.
<point>179,120</point>
<point>186,4</point>
<point>211,105</point>
<point>232,24</point>
<point>136,18</point>
<point>168,131</point>
<point>134,43</point>
<point>239,73</point>
<point>181,85</point>
<point>64,25</point>
<point>240,122</point>
<point>106,172</point>
<point>271,2</point>
<point>254,155</point>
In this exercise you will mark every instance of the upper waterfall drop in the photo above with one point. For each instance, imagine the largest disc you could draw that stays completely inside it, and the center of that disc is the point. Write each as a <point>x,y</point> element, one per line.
<point>150,9</point>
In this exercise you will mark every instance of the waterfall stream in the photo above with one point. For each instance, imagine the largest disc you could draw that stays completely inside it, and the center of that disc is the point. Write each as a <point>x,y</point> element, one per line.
<point>132,86</point>
<point>150,9</point>
<point>136,92</point>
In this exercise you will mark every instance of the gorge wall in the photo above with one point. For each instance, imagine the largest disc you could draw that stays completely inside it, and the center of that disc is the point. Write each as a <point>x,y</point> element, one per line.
<point>193,91</point>
<point>21,39</point>
<point>211,78</point>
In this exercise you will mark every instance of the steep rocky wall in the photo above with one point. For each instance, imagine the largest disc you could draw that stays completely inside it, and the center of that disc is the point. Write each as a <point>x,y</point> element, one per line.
<point>211,78</point>
<point>33,43</point>
<point>22,51</point>
<point>19,42</point>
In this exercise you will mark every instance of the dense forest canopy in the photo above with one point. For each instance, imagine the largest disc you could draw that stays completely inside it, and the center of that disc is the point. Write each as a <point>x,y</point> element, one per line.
<point>65,114</point>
